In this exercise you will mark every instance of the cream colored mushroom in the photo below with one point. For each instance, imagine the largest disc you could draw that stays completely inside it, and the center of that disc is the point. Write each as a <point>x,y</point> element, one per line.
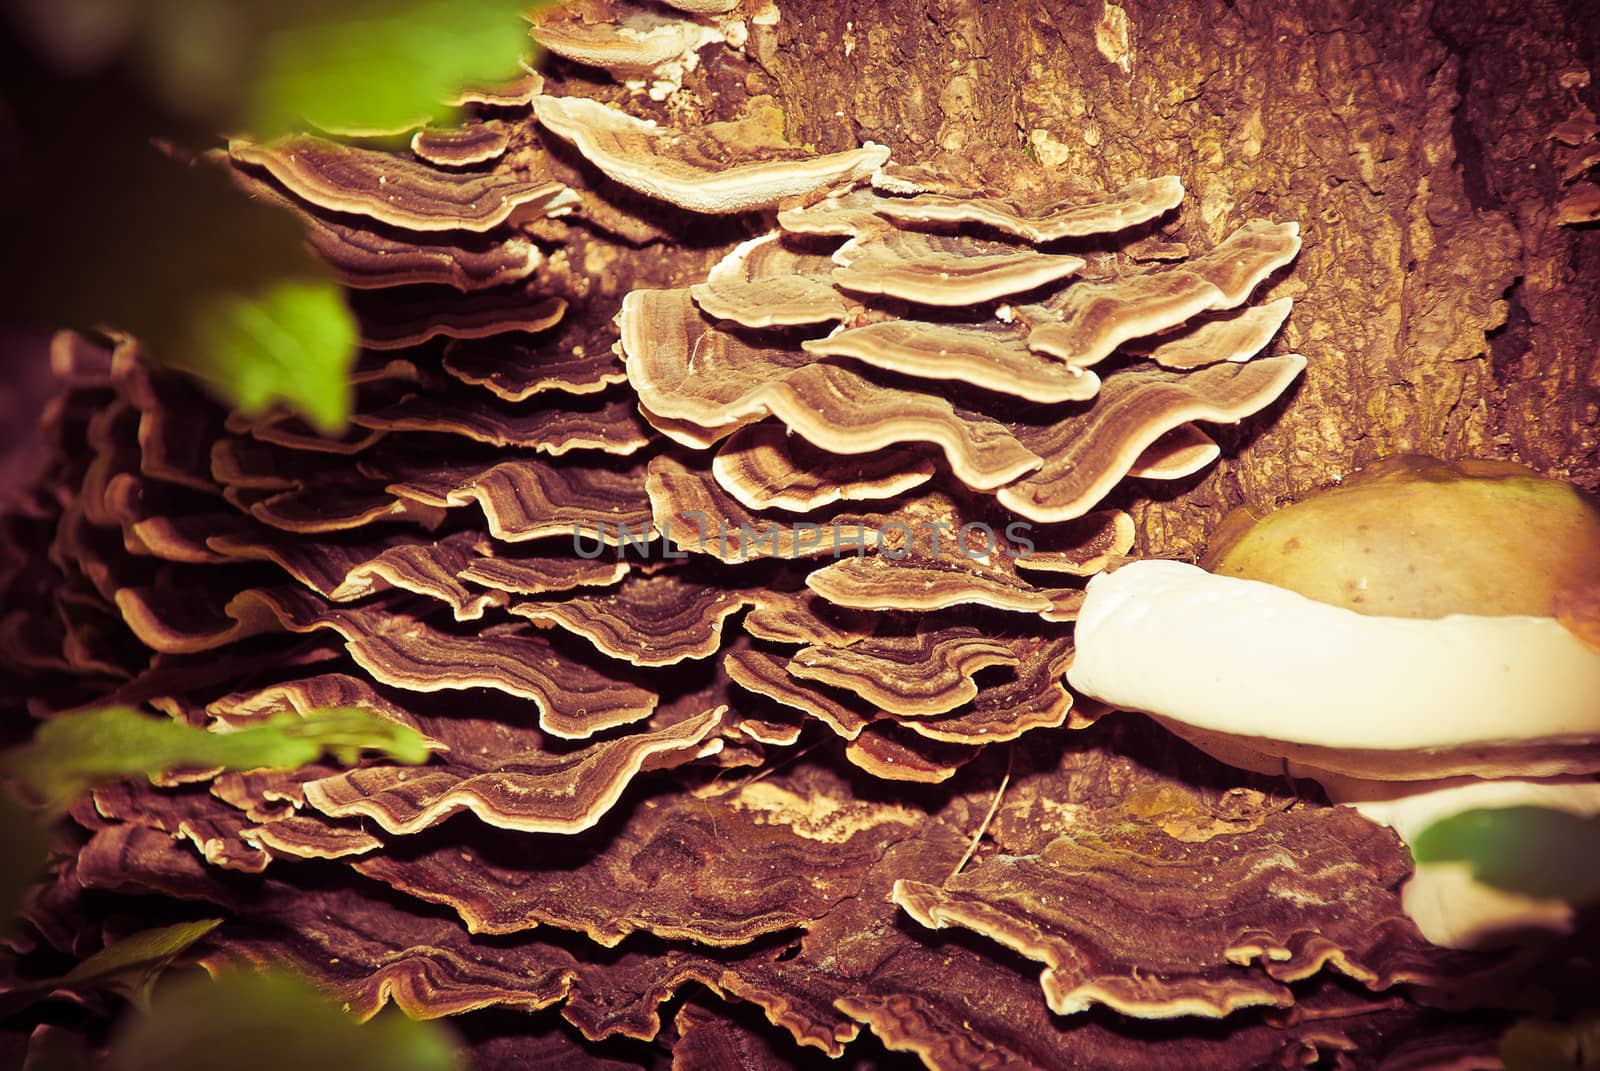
<point>1412,641</point>
<point>1271,680</point>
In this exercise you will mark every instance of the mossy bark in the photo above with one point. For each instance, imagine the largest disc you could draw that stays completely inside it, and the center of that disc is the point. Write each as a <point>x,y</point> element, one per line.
<point>1441,307</point>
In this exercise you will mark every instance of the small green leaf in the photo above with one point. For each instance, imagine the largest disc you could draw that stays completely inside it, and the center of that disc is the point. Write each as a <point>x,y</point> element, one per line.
<point>1534,1045</point>
<point>291,339</point>
<point>380,65</point>
<point>205,278</point>
<point>269,1022</point>
<point>128,967</point>
<point>1532,850</point>
<point>70,754</point>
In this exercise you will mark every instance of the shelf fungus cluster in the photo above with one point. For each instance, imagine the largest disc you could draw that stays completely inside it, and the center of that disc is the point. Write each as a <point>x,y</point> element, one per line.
<point>721,595</point>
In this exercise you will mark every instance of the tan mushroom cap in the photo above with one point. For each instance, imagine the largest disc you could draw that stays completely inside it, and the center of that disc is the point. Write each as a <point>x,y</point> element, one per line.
<point>1086,454</point>
<point>643,43</point>
<point>392,189</point>
<point>528,498</point>
<point>1083,546</point>
<point>610,424</point>
<point>1033,696</point>
<point>766,467</point>
<point>895,752</point>
<point>841,214</point>
<point>1183,451</point>
<point>929,673</point>
<point>942,270</point>
<point>700,173</point>
<point>650,621</point>
<point>695,514</point>
<point>462,146</point>
<point>803,617</point>
<point>1372,542</point>
<point>684,370</point>
<point>1093,319</point>
<point>540,575</point>
<point>883,583</point>
<point>517,93</point>
<point>1237,336</point>
<point>529,788</point>
<point>703,7</point>
<point>766,674</point>
<point>762,283</point>
<point>517,369</point>
<point>994,356</point>
<point>1077,217</point>
<point>394,319</point>
<point>1243,260</point>
<point>365,257</point>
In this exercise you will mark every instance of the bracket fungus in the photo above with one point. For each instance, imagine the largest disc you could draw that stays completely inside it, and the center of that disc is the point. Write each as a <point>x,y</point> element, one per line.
<point>720,512</point>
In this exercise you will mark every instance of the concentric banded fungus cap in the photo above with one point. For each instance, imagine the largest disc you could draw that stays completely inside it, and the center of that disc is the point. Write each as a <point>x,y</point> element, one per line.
<point>644,44</point>
<point>713,171</point>
<point>1399,627</point>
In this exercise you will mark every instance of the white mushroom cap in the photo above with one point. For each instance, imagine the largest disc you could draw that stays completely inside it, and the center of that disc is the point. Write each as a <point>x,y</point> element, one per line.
<point>1258,674</point>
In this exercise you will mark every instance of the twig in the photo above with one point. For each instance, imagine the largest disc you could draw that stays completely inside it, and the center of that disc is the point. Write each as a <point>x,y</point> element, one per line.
<point>984,827</point>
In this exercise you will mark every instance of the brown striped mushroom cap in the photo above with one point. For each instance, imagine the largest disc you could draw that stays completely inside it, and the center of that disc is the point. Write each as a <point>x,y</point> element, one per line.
<point>732,584</point>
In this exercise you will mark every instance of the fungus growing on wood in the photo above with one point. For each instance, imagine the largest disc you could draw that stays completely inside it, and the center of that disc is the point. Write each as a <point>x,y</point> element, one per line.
<point>728,620</point>
<point>463,146</point>
<point>642,45</point>
<point>710,171</point>
<point>392,189</point>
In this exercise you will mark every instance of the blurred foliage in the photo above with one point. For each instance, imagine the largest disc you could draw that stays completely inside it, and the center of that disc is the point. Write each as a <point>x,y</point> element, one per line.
<point>379,66</point>
<point>70,754</point>
<point>268,1022</point>
<point>24,847</point>
<point>285,340</point>
<point>1532,850</point>
<point>114,224</point>
<point>128,967</point>
<point>1535,1045</point>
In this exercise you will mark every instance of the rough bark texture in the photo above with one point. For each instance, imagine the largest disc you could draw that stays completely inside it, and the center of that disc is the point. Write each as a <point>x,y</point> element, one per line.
<point>1439,304</point>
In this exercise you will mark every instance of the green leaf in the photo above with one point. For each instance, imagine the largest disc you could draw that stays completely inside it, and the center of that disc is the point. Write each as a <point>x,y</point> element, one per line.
<point>1533,1045</point>
<point>114,235</point>
<point>205,278</point>
<point>380,65</point>
<point>291,339</point>
<point>70,754</point>
<point>1532,850</point>
<point>270,1022</point>
<point>239,300</point>
<point>128,967</point>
